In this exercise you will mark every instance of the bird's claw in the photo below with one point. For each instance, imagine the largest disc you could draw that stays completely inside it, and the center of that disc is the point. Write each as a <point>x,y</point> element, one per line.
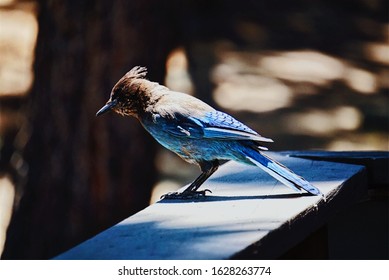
<point>186,195</point>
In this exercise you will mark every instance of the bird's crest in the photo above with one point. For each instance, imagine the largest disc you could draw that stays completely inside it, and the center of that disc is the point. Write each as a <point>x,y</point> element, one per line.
<point>138,72</point>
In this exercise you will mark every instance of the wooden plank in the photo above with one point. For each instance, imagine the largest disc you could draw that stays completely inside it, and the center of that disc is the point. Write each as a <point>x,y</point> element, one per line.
<point>376,162</point>
<point>248,214</point>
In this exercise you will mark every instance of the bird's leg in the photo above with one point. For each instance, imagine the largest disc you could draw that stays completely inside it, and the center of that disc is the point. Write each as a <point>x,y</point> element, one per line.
<point>207,168</point>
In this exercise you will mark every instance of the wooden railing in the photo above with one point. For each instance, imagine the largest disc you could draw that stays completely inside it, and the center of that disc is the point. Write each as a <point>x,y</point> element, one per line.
<point>249,215</point>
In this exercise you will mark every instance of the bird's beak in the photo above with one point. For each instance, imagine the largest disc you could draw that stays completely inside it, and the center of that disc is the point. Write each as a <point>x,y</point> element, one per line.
<point>107,107</point>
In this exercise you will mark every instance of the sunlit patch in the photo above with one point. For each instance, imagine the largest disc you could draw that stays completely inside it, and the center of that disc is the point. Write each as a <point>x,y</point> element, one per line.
<point>378,52</point>
<point>18,34</point>
<point>7,194</point>
<point>360,142</point>
<point>303,66</point>
<point>323,123</point>
<point>6,2</point>
<point>255,94</point>
<point>361,80</point>
<point>177,76</point>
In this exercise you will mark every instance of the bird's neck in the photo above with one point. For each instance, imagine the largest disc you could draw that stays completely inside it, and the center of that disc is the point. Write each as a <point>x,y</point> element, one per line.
<point>148,94</point>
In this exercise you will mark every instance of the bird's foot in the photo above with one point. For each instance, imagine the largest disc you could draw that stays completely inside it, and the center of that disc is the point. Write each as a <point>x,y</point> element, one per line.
<point>186,195</point>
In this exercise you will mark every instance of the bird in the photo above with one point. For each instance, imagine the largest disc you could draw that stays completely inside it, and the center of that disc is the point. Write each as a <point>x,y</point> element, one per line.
<point>195,131</point>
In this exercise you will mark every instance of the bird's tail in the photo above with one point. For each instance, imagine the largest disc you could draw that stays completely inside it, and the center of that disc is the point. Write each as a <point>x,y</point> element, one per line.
<point>280,172</point>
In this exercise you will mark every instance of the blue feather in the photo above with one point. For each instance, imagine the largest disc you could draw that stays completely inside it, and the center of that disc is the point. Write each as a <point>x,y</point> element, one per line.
<point>280,172</point>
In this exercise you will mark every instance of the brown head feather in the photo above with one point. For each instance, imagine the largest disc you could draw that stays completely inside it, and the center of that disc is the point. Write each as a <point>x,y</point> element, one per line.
<point>133,92</point>
<point>138,72</point>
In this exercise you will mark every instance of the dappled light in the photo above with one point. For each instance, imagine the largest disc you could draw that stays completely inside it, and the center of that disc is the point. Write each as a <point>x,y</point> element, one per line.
<point>177,75</point>
<point>368,141</point>
<point>361,81</point>
<point>303,66</point>
<point>324,122</point>
<point>18,34</point>
<point>7,194</point>
<point>254,94</point>
<point>378,52</point>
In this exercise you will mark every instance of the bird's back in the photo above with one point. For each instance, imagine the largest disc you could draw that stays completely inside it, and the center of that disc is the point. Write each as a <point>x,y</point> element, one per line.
<point>174,103</point>
<point>194,130</point>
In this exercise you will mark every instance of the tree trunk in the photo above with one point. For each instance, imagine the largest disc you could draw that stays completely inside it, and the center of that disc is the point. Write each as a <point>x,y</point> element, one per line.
<point>85,173</point>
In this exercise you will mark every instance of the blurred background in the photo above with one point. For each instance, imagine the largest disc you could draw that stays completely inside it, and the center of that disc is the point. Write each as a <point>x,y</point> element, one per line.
<point>308,74</point>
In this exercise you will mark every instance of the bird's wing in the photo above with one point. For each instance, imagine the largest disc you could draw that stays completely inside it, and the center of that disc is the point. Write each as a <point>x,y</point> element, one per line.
<point>222,125</point>
<point>212,125</point>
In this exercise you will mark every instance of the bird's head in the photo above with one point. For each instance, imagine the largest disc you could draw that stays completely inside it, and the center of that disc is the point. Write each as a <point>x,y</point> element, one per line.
<point>127,95</point>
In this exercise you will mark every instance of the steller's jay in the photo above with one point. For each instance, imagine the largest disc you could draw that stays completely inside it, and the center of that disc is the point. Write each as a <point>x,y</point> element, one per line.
<point>195,131</point>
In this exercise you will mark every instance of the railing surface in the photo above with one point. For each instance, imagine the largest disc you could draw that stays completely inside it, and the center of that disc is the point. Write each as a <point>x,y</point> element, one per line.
<point>248,215</point>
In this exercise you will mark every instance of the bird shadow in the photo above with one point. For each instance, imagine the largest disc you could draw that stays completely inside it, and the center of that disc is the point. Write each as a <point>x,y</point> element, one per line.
<point>216,198</point>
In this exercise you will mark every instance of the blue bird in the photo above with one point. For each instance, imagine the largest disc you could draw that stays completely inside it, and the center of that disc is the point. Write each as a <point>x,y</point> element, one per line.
<point>194,131</point>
